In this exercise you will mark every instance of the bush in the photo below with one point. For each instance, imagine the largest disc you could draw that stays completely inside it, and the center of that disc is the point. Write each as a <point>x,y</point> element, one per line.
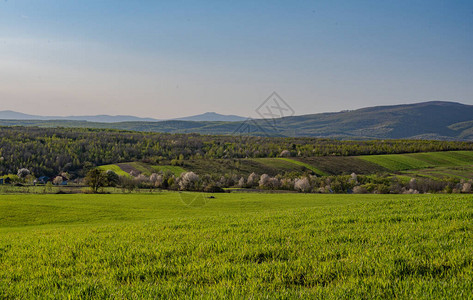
<point>360,190</point>
<point>213,188</point>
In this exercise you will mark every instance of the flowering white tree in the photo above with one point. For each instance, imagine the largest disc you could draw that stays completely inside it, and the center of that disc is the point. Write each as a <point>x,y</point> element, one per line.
<point>157,180</point>
<point>302,185</point>
<point>264,180</point>
<point>252,179</point>
<point>23,172</point>
<point>57,180</point>
<point>134,173</point>
<point>274,183</point>
<point>354,177</point>
<point>188,181</point>
<point>285,153</point>
<point>466,187</point>
<point>141,179</point>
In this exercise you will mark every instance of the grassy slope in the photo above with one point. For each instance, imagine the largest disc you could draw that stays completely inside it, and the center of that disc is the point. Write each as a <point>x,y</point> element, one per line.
<point>460,172</point>
<point>176,170</point>
<point>244,167</point>
<point>306,165</point>
<point>241,245</point>
<point>337,165</point>
<point>114,168</point>
<point>143,168</point>
<point>414,161</point>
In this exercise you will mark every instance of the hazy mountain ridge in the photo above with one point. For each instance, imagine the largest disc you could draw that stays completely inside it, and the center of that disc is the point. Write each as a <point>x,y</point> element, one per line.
<point>213,117</point>
<point>13,115</point>
<point>208,116</point>
<point>428,120</point>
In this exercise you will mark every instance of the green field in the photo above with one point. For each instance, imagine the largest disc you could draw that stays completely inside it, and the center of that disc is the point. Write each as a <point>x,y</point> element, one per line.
<point>116,169</point>
<point>236,246</point>
<point>123,169</point>
<point>459,172</point>
<point>306,165</point>
<point>414,161</point>
<point>176,170</point>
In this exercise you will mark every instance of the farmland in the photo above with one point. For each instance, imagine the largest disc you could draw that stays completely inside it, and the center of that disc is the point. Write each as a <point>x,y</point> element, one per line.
<point>440,163</point>
<point>416,161</point>
<point>236,245</point>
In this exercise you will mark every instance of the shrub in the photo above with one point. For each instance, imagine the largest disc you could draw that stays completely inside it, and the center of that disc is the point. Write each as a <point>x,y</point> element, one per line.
<point>360,190</point>
<point>213,188</point>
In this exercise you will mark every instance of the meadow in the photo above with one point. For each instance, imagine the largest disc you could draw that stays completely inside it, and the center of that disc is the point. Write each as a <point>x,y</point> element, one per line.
<point>273,246</point>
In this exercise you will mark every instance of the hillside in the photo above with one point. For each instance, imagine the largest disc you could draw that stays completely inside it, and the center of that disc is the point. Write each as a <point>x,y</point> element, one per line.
<point>458,164</point>
<point>428,120</point>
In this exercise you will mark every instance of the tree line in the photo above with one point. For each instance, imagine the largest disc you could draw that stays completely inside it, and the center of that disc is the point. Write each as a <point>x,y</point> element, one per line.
<point>52,151</point>
<point>307,183</point>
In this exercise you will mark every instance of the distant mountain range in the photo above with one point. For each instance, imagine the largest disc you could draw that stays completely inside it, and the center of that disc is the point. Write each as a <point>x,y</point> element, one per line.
<point>427,120</point>
<point>13,115</point>
<point>213,117</point>
<point>209,116</point>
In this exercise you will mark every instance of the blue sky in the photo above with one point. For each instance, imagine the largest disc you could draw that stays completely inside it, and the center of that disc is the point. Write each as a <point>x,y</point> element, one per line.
<point>169,59</point>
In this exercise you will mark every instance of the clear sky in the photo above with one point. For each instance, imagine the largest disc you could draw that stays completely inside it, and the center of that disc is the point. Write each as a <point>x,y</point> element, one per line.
<point>167,59</point>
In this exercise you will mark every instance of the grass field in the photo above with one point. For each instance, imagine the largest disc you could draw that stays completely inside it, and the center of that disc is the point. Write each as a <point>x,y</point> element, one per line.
<point>176,170</point>
<point>237,245</point>
<point>123,169</point>
<point>414,161</point>
<point>114,168</point>
<point>306,165</point>
<point>338,165</point>
<point>460,172</point>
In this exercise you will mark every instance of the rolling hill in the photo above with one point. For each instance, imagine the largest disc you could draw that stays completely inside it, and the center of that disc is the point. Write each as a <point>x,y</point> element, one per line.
<point>427,120</point>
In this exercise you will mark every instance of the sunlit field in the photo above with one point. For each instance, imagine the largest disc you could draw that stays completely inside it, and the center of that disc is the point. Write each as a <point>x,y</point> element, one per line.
<point>236,245</point>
